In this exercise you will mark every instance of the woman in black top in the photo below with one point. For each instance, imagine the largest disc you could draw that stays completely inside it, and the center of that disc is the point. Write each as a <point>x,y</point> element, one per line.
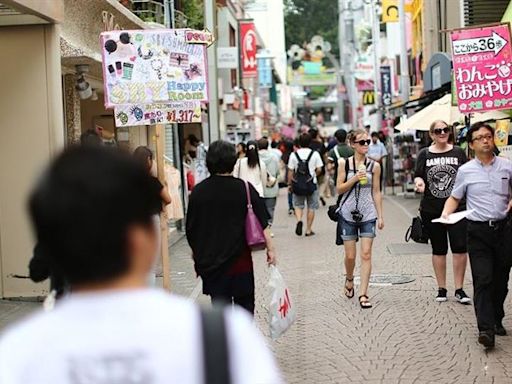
<point>436,169</point>
<point>216,230</point>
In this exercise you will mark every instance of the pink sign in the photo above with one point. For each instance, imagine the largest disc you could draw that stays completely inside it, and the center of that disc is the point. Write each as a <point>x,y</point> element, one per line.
<point>482,60</point>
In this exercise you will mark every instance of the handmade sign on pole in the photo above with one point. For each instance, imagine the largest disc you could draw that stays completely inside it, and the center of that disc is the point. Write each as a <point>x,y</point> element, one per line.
<point>156,77</point>
<point>482,60</point>
<point>152,66</point>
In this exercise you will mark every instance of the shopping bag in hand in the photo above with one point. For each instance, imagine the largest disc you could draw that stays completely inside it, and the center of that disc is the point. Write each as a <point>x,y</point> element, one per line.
<point>282,312</point>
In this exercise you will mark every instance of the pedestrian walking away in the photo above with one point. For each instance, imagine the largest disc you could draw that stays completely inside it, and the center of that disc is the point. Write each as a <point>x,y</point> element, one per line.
<point>377,151</point>
<point>216,230</point>
<point>485,182</point>
<point>360,212</point>
<point>271,188</point>
<point>252,169</point>
<point>112,328</point>
<point>305,165</point>
<point>436,168</point>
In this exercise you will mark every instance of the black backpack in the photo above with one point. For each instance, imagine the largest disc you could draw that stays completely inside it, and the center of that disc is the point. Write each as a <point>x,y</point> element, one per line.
<point>303,182</point>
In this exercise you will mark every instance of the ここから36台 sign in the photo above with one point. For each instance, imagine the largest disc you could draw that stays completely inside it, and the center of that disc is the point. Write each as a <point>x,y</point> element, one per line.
<point>152,66</point>
<point>482,61</point>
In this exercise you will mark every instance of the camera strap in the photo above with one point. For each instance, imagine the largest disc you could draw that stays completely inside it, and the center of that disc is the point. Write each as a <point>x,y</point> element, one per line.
<point>358,186</point>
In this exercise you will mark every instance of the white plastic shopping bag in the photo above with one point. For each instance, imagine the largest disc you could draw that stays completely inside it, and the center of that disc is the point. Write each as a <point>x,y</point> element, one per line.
<point>282,312</point>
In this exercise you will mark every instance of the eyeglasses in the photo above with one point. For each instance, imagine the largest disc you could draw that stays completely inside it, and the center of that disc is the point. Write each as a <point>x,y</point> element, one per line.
<point>363,142</point>
<point>438,131</point>
<point>481,138</point>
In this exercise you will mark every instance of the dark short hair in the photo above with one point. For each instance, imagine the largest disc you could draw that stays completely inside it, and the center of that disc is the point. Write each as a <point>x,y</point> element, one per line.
<point>341,135</point>
<point>304,140</point>
<point>263,143</point>
<point>274,144</point>
<point>374,134</point>
<point>475,127</point>
<point>142,155</point>
<point>90,138</point>
<point>221,157</point>
<point>313,132</point>
<point>192,139</point>
<point>83,207</point>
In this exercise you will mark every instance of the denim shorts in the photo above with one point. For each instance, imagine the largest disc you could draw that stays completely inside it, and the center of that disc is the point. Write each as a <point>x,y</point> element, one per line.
<point>353,231</point>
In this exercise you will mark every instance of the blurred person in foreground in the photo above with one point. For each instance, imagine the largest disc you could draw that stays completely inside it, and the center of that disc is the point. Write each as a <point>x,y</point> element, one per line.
<point>112,328</point>
<point>216,230</point>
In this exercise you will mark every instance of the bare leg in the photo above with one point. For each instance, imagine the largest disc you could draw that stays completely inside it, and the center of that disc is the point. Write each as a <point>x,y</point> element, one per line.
<point>298,213</point>
<point>350,258</point>
<point>459,268</point>
<point>311,217</point>
<point>366,264</point>
<point>439,263</point>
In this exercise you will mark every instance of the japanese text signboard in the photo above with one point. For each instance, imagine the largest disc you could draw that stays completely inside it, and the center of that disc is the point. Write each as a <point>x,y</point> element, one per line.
<point>385,83</point>
<point>482,60</point>
<point>249,49</point>
<point>152,67</point>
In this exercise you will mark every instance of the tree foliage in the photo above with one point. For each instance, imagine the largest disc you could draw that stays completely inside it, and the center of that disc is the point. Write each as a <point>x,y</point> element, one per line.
<point>307,18</point>
<point>192,14</point>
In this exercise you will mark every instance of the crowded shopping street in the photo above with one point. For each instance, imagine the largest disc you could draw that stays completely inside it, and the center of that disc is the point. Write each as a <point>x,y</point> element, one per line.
<point>255,191</point>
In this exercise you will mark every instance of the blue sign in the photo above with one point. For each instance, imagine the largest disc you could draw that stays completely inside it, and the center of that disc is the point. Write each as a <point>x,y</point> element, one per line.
<point>265,73</point>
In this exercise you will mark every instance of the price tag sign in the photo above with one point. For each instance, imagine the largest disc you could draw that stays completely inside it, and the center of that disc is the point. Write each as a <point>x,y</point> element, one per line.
<point>147,114</point>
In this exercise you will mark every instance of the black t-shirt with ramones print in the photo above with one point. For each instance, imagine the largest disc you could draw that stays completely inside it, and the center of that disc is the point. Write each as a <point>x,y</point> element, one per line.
<point>438,170</point>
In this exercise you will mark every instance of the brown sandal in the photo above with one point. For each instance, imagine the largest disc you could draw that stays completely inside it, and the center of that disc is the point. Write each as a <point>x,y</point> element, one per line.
<point>349,292</point>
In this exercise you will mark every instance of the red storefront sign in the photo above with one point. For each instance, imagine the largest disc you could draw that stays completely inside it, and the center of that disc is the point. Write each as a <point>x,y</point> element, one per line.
<point>482,61</point>
<point>249,49</point>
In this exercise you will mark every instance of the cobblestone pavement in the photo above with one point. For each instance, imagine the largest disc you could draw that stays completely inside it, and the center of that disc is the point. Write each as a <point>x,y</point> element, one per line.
<point>406,338</point>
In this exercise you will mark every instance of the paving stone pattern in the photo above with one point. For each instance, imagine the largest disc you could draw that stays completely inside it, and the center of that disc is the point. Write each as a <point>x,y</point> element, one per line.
<point>405,338</point>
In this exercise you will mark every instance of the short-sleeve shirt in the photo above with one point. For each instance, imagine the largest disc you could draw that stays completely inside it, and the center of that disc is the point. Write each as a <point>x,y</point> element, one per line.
<point>438,171</point>
<point>377,150</point>
<point>314,163</point>
<point>486,188</point>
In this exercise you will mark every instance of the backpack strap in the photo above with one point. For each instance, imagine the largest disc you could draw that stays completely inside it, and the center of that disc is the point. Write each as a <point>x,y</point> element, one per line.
<point>215,346</point>
<point>297,156</point>
<point>310,156</point>
<point>346,169</point>
<point>337,153</point>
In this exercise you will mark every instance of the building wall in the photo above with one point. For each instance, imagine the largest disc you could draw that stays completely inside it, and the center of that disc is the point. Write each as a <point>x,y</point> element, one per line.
<point>31,129</point>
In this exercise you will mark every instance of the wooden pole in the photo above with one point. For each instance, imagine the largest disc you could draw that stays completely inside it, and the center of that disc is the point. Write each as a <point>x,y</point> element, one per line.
<point>160,140</point>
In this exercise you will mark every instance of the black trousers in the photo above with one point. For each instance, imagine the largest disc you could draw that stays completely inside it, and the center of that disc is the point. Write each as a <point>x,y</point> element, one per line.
<point>246,302</point>
<point>490,266</point>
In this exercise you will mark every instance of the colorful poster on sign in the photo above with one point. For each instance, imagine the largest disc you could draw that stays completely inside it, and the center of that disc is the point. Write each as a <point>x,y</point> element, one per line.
<point>147,114</point>
<point>265,73</point>
<point>249,49</point>
<point>152,66</point>
<point>482,60</point>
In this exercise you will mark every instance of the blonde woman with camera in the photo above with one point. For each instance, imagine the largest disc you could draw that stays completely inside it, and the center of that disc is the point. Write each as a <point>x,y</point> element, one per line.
<point>360,212</point>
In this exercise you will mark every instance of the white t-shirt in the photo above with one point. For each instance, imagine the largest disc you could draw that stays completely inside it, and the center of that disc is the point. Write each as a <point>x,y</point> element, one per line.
<point>377,150</point>
<point>314,163</point>
<point>127,337</point>
<point>257,176</point>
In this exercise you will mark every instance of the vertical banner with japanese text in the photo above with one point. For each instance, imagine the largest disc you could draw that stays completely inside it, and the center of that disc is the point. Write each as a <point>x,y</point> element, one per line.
<point>248,49</point>
<point>482,61</point>
<point>385,83</point>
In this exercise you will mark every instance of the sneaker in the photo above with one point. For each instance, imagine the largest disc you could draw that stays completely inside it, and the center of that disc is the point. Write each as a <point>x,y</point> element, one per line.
<point>461,297</point>
<point>291,211</point>
<point>441,295</point>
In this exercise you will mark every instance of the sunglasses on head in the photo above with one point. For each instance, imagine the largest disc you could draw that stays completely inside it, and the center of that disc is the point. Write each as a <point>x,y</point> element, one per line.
<point>438,131</point>
<point>363,142</point>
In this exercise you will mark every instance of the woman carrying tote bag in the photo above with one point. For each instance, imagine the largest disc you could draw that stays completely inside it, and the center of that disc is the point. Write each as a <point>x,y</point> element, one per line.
<point>216,230</point>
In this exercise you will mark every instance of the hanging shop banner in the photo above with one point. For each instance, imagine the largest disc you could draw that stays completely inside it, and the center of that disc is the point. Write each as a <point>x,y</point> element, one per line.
<point>390,11</point>
<point>199,37</point>
<point>147,114</point>
<point>482,60</point>
<point>385,83</point>
<point>152,66</point>
<point>249,49</point>
<point>264,73</point>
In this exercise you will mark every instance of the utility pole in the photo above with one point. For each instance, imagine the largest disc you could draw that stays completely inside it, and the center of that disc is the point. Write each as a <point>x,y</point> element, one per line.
<point>212,132</point>
<point>376,60</point>
<point>404,64</point>
<point>341,70</point>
